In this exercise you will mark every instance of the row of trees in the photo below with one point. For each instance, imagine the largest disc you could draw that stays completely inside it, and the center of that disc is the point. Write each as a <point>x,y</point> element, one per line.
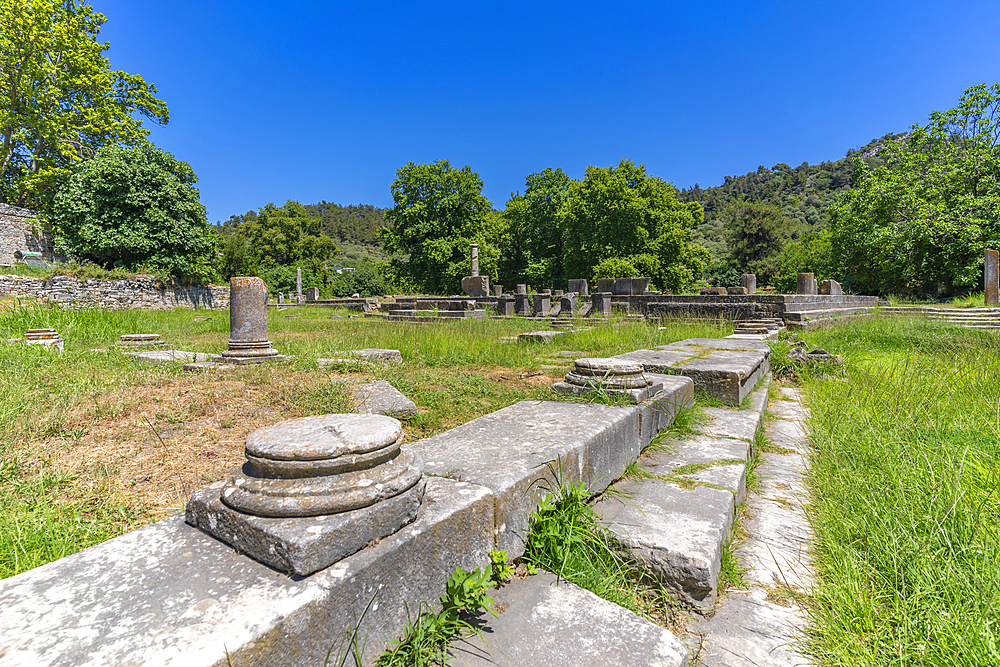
<point>615,221</point>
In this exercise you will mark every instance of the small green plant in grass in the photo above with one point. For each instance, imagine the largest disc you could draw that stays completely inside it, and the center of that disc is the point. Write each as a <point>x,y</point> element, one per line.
<point>427,638</point>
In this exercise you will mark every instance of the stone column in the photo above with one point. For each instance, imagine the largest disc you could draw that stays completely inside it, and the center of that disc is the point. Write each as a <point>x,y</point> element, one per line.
<point>520,289</point>
<point>248,342</point>
<point>498,290</point>
<point>542,304</point>
<point>600,303</point>
<point>298,281</point>
<point>991,274</point>
<point>806,284</point>
<point>474,258</point>
<point>749,281</point>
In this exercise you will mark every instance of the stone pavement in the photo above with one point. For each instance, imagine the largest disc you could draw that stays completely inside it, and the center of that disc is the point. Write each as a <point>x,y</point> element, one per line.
<point>764,624</point>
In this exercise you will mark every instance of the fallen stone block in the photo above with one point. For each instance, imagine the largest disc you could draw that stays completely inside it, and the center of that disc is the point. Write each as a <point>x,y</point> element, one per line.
<point>373,355</point>
<point>551,623</point>
<point>539,336</point>
<point>170,356</point>
<point>676,534</point>
<point>381,398</point>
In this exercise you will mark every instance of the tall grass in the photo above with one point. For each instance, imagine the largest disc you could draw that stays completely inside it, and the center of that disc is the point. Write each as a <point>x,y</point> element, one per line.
<point>907,496</point>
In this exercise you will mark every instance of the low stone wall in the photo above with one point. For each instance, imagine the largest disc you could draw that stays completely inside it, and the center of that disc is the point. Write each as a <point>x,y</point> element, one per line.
<point>21,231</point>
<point>138,292</point>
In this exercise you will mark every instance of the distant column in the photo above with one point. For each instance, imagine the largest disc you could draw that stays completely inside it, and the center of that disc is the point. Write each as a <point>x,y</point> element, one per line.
<point>298,281</point>
<point>806,284</point>
<point>248,341</point>
<point>474,258</point>
<point>991,282</point>
<point>749,281</point>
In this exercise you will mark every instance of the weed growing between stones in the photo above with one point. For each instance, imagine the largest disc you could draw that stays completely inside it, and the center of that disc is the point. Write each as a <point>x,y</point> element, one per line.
<point>566,539</point>
<point>427,638</point>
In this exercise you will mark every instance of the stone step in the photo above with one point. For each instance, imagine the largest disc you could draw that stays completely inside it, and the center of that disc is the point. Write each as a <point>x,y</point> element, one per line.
<point>675,527</point>
<point>548,622</point>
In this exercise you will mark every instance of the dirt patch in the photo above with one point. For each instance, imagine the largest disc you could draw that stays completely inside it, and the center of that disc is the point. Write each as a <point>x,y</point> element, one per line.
<point>155,444</point>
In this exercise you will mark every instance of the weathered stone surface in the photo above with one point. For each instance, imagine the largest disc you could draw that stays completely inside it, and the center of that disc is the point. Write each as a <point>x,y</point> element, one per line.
<point>695,449</point>
<point>509,450</point>
<point>991,277</point>
<point>372,354</point>
<point>579,286</point>
<point>659,361</point>
<point>203,366</point>
<point>675,533</point>
<point>730,476</point>
<point>747,631</point>
<point>521,289</point>
<point>749,282</point>
<point>301,545</point>
<point>736,290</point>
<point>607,375</point>
<point>541,304</point>
<point>140,340</point>
<point>168,594</point>
<point>522,304</point>
<point>477,287</point>
<point>312,294</point>
<point>170,356</point>
<point>600,303</point>
<point>568,304</point>
<point>723,423</point>
<point>505,306</point>
<point>806,284</point>
<point>248,341</point>
<point>539,336</point>
<point>831,287</point>
<point>381,398</point>
<point>551,623</point>
<point>667,395</point>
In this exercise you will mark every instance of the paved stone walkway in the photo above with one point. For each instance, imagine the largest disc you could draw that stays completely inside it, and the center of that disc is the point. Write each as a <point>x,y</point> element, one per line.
<point>764,625</point>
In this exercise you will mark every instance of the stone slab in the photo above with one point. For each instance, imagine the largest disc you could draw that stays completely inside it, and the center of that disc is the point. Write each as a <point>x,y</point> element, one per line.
<point>694,449</point>
<point>202,366</point>
<point>659,361</point>
<point>668,395</point>
<point>723,423</point>
<point>551,623</point>
<point>372,354</point>
<point>676,534</point>
<point>748,631</point>
<point>539,336</point>
<point>170,356</point>
<point>381,398</point>
<point>520,450</point>
<point>168,594</point>
<point>732,477</point>
<point>729,375</point>
<point>718,344</point>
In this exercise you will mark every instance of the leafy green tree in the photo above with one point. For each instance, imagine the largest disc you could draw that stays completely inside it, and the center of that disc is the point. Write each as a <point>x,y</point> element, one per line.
<point>129,207</point>
<point>288,235</point>
<point>620,212</point>
<point>238,258</point>
<point>812,253</point>
<point>922,221</point>
<point>536,248</point>
<point>439,210</point>
<point>755,235</point>
<point>60,101</point>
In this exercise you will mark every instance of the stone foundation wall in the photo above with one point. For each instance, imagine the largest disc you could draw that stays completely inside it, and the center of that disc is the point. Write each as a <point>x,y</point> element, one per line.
<point>139,292</point>
<point>20,230</point>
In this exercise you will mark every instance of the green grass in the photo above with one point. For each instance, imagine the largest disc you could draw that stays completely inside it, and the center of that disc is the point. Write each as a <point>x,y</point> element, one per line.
<point>51,402</point>
<point>566,539</point>
<point>906,506</point>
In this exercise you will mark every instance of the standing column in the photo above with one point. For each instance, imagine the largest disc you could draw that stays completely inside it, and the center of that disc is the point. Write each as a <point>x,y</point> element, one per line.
<point>991,276</point>
<point>474,259</point>
<point>298,282</point>
<point>806,284</point>
<point>248,342</point>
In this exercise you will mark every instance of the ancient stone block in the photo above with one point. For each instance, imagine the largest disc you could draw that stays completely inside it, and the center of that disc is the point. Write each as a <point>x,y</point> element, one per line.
<point>505,306</point>
<point>614,377</point>
<point>497,290</point>
<point>831,287</point>
<point>522,304</point>
<point>749,281</point>
<point>478,287</point>
<point>600,303</point>
<point>714,291</point>
<point>520,289</point>
<point>541,304</point>
<point>579,286</point>
<point>568,304</point>
<point>736,290</point>
<point>312,294</point>
<point>381,398</point>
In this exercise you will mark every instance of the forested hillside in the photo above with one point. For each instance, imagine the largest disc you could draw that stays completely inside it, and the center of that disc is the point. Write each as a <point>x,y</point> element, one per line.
<point>356,224</point>
<point>802,194</point>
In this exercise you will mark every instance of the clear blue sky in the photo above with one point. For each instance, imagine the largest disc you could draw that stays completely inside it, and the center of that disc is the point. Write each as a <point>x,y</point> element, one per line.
<point>325,100</point>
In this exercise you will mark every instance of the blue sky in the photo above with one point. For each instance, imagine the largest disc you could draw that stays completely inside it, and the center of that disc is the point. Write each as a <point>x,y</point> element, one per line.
<point>325,100</point>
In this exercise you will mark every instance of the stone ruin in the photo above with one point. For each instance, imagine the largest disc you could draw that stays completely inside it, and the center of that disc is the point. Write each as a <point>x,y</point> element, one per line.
<point>475,285</point>
<point>313,491</point>
<point>248,340</point>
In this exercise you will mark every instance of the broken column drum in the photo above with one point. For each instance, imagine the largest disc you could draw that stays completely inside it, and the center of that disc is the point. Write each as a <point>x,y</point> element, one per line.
<point>314,490</point>
<point>248,342</point>
<point>612,376</point>
<point>991,278</point>
<point>474,259</point>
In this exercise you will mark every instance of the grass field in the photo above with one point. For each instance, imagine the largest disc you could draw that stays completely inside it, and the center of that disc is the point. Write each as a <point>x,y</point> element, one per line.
<point>906,477</point>
<point>95,443</point>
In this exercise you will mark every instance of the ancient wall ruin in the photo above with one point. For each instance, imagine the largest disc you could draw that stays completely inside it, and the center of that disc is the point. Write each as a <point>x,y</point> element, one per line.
<point>142,292</point>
